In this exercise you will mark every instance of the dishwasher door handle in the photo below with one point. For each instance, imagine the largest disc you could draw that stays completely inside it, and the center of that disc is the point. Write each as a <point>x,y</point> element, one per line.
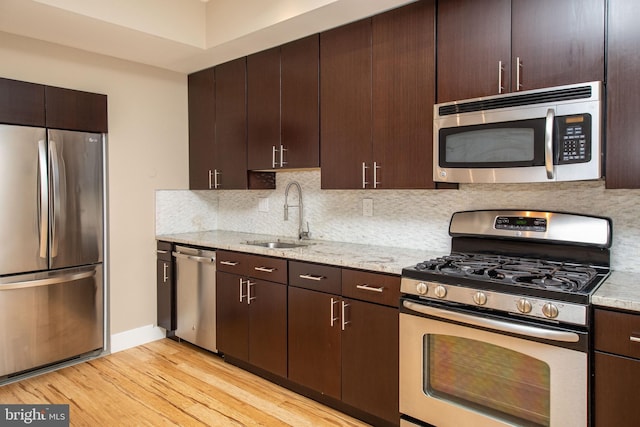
<point>194,257</point>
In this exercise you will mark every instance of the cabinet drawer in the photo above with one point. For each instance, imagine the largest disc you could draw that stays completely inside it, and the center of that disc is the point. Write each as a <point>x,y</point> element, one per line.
<point>163,250</point>
<point>373,287</point>
<point>617,332</point>
<point>318,277</point>
<point>267,268</point>
<point>232,262</point>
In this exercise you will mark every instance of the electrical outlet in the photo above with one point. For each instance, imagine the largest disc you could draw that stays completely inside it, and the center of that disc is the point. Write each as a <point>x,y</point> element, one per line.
<point>367,207</point>
<point>263,204</point>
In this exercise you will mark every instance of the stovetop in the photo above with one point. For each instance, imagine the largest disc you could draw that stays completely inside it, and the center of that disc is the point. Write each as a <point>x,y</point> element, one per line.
<point>564,281</point>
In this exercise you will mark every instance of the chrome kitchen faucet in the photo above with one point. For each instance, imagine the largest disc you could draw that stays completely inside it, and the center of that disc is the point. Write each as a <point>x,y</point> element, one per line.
<point>301,233</point>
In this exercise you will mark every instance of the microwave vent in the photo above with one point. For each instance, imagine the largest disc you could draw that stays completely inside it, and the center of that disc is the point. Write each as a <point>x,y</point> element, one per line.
<point>537,97</point>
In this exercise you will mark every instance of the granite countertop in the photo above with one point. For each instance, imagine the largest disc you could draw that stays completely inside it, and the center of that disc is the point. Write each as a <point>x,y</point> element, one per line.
<point>621,290</point>
<point>366,257</point>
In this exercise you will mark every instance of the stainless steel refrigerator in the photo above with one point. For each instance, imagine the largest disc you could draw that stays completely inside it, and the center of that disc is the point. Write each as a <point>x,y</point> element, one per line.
<point>51,247</point>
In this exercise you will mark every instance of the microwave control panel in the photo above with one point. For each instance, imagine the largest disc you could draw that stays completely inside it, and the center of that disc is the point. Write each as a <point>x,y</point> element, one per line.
<point>574,139</point>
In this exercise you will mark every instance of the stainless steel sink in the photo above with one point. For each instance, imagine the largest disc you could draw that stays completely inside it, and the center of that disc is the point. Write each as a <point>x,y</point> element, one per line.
<point>277,244</point>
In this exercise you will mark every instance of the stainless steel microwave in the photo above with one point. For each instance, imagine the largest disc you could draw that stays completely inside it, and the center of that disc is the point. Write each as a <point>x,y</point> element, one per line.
<point>542,135</point>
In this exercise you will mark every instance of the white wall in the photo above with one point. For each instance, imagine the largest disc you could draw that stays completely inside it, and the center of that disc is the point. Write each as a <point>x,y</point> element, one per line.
<point>147,150</point>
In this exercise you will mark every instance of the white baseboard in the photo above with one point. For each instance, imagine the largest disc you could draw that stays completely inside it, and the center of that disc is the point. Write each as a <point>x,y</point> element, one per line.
<point>135,337</point>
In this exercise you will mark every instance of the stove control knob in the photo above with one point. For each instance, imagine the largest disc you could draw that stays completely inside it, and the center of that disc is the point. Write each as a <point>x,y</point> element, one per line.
<point>480,298</point>
<point>524,305</point>
<point>422,288</point>
<point>440,291</point>
<point>550,310</point>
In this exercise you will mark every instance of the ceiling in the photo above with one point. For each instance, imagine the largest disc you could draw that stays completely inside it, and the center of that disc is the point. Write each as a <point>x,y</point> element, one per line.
<point>179,35</point>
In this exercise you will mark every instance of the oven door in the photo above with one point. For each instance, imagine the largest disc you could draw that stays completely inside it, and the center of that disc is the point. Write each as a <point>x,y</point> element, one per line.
<point>459,370</point>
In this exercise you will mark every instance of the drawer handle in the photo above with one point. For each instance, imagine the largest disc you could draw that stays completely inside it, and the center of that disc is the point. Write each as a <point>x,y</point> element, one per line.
<point>265,269</point>
<point>312,277</point>
<point>231,263</point>
<point>370,288</point>
<point>634,339</point>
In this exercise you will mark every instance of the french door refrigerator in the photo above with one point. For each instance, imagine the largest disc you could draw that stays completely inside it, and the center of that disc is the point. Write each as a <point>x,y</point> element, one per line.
<point>51,247</point>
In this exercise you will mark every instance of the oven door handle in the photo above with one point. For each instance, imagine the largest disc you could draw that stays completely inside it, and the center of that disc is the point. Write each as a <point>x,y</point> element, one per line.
<point>529,331</point>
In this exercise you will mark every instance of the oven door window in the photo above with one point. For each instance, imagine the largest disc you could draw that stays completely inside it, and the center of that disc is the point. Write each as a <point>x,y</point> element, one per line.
<point>494,380</point>
<point>509,144</point>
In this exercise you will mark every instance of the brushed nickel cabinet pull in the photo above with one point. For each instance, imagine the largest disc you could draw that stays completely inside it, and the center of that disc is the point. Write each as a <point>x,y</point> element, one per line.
<point>370,288</point>
<point>231,263</point>
<point>311,277</point>
<point>344,315</point>
<point>634,339</point>
<point>265,269</point>
<point>334,301</point>
<point>364,175</point>
<point>500,73</point>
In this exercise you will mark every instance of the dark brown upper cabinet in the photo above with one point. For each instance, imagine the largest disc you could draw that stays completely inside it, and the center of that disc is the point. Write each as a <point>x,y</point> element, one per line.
<point>75,110</point>
<point>230,145</point>
<point>377,94</point>
<point>202,128</point>
<point>623,103</point>
<point>283,106</point>
<point>31,104</point>
<point>489,47</point>
<point>21,103</point>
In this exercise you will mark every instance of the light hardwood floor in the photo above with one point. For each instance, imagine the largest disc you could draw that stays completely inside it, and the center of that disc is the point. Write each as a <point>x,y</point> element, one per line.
<point>165,383</point>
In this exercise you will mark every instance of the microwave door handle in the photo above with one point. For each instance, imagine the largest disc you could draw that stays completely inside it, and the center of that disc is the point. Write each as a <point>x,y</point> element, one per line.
<point>548,142</point>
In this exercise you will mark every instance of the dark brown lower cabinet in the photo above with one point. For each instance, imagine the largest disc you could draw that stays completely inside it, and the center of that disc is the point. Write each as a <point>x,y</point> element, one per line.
<point>315,341</point>
<point>617,368</point>
<point>251,318</point>
<point>165,287</point>
<point>370,359</point>
<point>346,349</point>
<point>616,391</point>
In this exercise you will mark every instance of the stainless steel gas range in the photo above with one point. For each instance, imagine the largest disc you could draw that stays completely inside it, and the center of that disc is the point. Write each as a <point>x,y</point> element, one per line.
<point>497,333</point>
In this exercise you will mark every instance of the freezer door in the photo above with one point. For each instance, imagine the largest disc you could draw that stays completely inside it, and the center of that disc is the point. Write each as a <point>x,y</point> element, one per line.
<point>23,199</point>
<point>50,317</point>
<point>76,188</point>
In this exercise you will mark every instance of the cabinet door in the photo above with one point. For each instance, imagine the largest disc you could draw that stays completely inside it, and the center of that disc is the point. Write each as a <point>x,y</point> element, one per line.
<point>202,126</point>
<point>617,381</point>
<point>166,295</point>
<point>231,125</point>
<point>232,317</point>
<point>300,122</point>
<point>623,103</point>
<point>403,96</point>
<point>473,37</point>
<point>75,110</point>
<point>21,103</point>
<point>268,326</point>
<point>370,359</point>
<point>345,87</point>
<point>558,42</point>
<point>314,340</point>
<point>263,108</point>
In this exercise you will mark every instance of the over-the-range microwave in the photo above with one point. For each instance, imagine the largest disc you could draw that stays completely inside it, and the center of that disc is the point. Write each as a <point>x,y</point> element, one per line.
<point>542,135</point>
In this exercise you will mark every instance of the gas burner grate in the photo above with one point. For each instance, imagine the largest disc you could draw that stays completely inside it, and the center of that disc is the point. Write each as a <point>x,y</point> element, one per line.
<point>529,272</point>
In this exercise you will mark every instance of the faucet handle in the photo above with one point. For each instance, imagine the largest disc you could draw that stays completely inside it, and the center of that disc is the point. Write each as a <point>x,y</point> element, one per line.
<point>305,234</point>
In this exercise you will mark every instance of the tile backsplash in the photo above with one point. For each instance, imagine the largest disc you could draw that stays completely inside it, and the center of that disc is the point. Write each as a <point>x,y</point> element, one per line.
<point>417,219</point>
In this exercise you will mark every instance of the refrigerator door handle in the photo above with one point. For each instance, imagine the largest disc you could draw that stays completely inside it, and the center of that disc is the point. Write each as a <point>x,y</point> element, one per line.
<point>44,197</point>
<point>48,281</point>
<point>55,191</point>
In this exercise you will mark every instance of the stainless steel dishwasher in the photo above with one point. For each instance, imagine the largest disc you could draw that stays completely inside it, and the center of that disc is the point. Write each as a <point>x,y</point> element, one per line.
<point>196,296</point>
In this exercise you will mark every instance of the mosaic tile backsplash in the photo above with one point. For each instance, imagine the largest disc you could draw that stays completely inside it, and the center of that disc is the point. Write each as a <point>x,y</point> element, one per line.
<point>416,219</point>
